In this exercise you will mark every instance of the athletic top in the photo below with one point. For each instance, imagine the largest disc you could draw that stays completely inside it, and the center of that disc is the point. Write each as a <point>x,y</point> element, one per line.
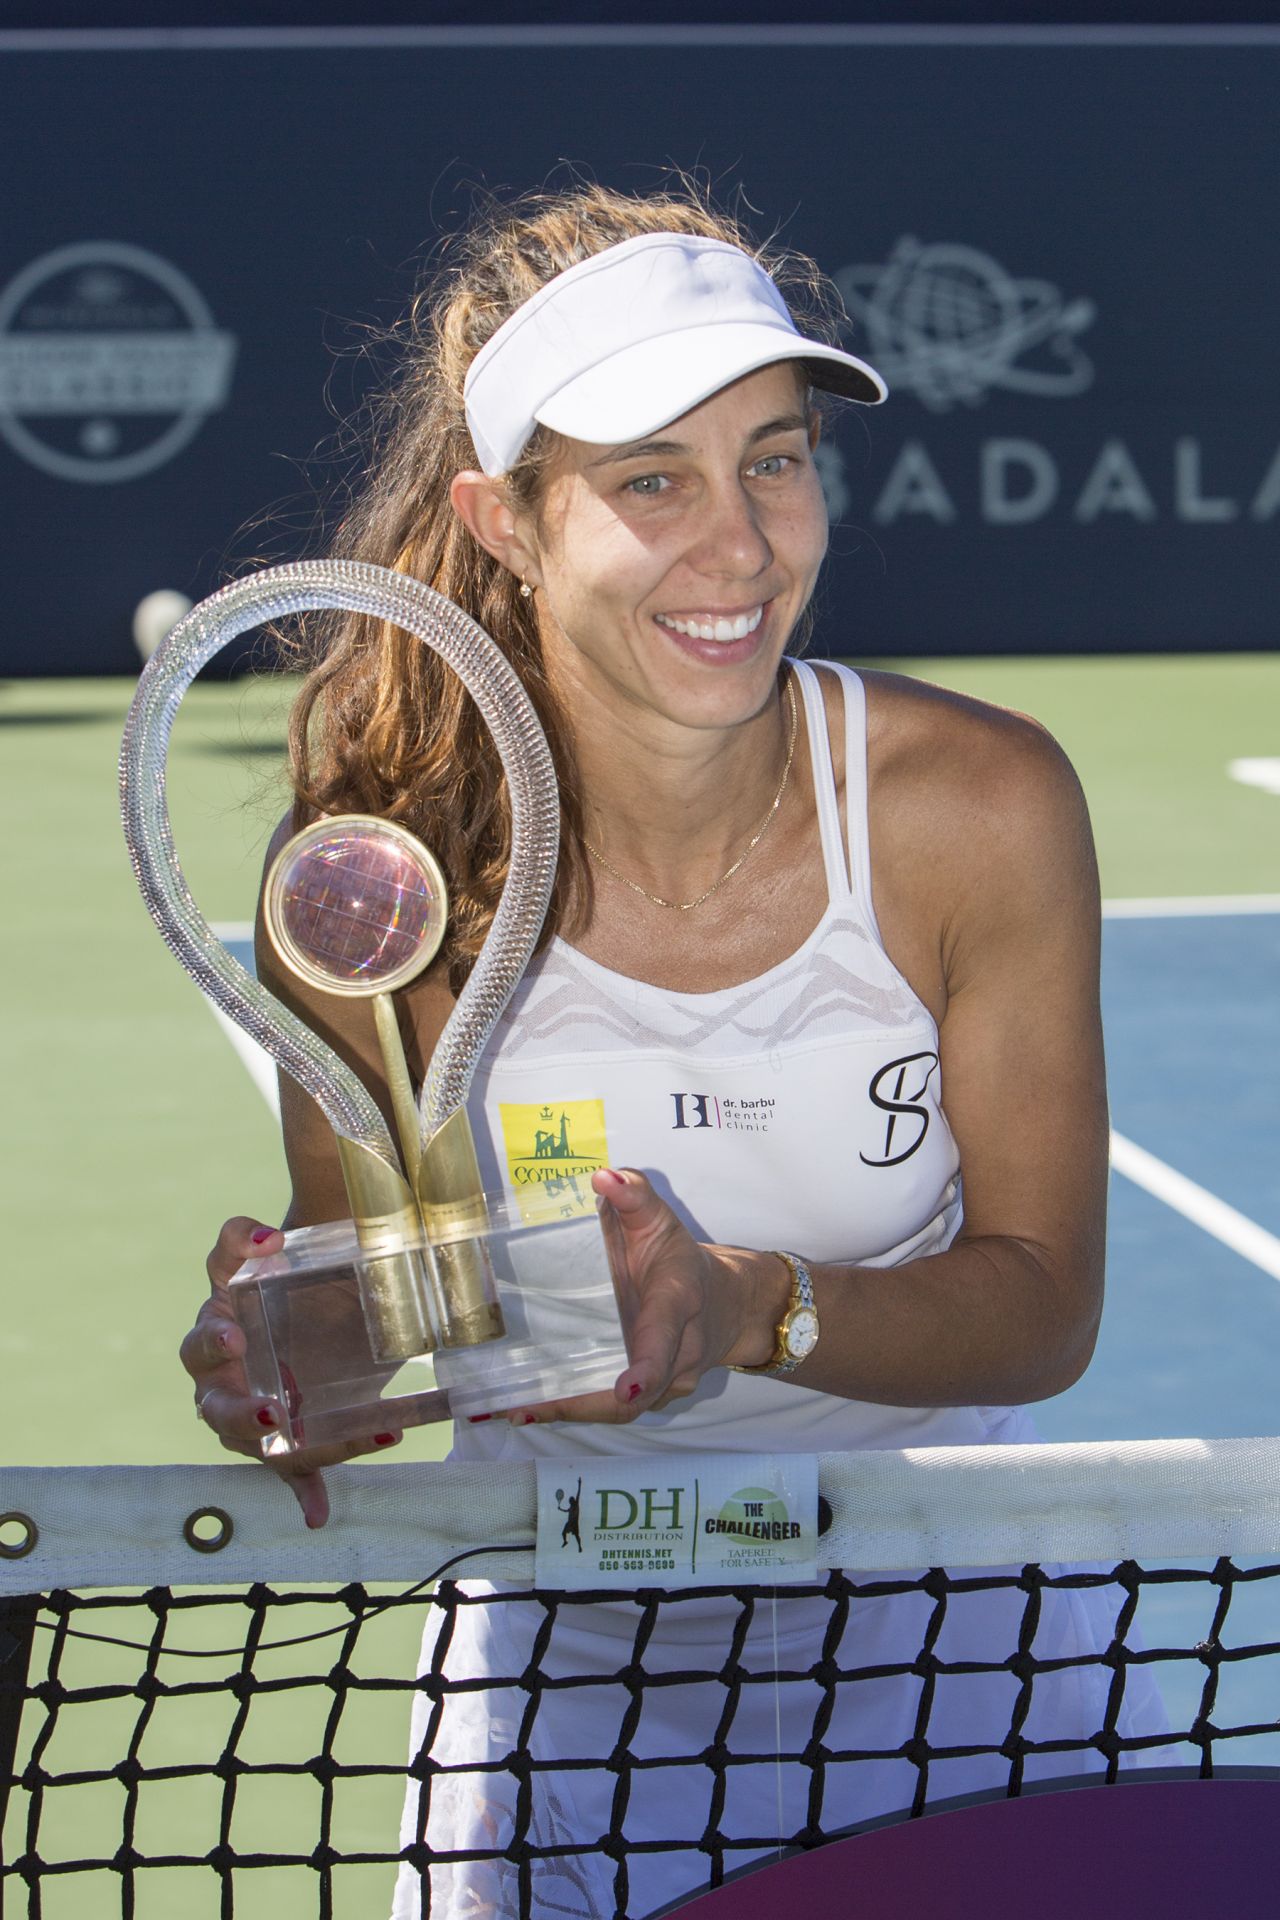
<point>799,1110</point>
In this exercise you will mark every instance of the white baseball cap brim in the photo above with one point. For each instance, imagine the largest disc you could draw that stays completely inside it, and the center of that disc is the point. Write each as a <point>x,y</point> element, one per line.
<point>631,338</point>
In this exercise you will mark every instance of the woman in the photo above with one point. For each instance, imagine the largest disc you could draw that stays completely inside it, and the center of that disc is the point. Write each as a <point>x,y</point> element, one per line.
<point>812,896</point>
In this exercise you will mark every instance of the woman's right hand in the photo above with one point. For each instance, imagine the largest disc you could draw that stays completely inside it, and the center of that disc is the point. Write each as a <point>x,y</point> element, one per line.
<point>213,1354</point>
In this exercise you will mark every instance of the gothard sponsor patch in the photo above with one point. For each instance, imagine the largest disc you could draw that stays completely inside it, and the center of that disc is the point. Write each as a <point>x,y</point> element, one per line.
<point>551,1151</point>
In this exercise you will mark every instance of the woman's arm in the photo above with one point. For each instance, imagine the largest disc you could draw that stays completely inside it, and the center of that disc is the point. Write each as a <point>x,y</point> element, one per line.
<point>1010,1311</point>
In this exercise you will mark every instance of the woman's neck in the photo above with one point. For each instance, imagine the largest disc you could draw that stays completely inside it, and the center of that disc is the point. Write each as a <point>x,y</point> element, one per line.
<point>670,806</point>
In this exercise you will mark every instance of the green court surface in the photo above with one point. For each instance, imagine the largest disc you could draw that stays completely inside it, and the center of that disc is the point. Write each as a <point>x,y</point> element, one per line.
<point>131,1128</point>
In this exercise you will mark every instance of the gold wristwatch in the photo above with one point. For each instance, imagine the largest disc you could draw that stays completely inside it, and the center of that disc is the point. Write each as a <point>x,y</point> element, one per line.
<point>796,1334</point>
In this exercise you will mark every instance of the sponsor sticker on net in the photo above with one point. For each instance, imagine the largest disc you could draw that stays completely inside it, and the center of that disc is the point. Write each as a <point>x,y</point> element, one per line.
<point>714,1519</point>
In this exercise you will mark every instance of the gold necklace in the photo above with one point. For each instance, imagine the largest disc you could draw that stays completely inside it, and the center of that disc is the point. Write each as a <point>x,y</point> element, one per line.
<point>683,906</point>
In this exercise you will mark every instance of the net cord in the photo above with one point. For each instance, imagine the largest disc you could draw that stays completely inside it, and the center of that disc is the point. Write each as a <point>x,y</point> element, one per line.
<point>973,1507</point>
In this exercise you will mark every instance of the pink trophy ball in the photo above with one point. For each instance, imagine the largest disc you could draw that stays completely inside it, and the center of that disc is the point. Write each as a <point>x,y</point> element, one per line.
<point>357,904</point>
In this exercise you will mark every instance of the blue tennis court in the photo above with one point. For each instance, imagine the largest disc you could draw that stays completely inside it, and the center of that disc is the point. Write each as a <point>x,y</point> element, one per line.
<point>1191,1332</point>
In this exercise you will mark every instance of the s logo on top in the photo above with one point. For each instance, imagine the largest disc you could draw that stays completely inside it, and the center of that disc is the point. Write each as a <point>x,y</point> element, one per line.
<point>898,1091</point>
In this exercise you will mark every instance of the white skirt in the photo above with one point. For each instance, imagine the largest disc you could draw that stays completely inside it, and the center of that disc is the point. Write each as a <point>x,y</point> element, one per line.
<point>698,1810</point>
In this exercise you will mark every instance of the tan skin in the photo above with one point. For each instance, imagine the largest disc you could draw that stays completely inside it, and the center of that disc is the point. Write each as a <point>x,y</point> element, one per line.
<point>985,890</point>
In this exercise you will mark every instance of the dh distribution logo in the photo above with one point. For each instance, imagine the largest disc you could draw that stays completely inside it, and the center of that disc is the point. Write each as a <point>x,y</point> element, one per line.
<point>948,323</point>
<point>110,362</point>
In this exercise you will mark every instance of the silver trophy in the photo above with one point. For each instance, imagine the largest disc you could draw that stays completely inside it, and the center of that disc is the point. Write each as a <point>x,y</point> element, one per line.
<point>436,1299</point>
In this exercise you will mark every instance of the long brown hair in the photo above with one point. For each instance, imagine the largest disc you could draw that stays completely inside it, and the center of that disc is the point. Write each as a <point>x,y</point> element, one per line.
<point>381,726</point>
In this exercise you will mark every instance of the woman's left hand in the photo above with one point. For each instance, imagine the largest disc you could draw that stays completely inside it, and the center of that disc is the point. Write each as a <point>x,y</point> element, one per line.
<point>687,1307</point>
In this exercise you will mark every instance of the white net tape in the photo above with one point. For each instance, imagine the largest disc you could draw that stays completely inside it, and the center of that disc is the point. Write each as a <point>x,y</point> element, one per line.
<point>938,1506</point>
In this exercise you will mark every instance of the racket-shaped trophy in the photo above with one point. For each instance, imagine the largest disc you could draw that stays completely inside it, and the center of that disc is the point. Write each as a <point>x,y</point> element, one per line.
<point>436,1299</point>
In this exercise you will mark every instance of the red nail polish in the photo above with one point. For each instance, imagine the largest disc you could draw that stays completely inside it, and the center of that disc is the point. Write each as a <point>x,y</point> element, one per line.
<point>385,1439</point>
<point>266,1418</point>
<point>260,1234</point>
<point>528,1420</point>
<point>476,1418</point>
<point>634,1390</point>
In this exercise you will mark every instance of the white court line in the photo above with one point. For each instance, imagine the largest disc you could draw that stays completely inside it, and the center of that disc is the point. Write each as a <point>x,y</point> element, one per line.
<point>1177,907</point>
<point>1256,772</point>
<point>258,1063</point>
<point>1197,1204</point>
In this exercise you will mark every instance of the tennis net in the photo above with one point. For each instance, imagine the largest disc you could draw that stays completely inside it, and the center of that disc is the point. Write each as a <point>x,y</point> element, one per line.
<point>206,1710</point>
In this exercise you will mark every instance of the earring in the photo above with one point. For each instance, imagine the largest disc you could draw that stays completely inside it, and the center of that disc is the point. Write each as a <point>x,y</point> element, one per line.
<point>526,591</point>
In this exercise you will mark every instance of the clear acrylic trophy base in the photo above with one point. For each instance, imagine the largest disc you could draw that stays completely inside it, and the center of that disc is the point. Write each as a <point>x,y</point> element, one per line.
<point>315,1319</point>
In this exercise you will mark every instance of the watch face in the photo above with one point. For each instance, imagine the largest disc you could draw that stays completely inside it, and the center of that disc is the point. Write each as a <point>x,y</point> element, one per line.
<point>802,1333</point>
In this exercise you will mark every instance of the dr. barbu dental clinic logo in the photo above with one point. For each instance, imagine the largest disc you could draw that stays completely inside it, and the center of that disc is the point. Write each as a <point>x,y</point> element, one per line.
<point>948,324</point>
<point>110,362</point>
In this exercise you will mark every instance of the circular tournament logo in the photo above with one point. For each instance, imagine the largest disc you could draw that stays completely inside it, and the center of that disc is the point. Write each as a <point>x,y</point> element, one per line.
<point>950,324</point>
<point>109,362</point>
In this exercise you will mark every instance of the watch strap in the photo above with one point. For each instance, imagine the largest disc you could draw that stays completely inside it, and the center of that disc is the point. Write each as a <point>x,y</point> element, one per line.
<point>783,1361</point>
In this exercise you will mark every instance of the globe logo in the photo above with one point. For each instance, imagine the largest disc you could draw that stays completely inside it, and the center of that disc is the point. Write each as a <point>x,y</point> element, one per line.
<point>109,362</point>
<point>948,323</point>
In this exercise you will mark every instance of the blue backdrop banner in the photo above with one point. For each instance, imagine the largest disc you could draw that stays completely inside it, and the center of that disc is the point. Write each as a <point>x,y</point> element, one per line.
<point>1061,252</point>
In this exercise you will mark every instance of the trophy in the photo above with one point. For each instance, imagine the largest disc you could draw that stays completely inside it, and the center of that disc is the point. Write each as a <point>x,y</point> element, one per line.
<point>436,1299</point>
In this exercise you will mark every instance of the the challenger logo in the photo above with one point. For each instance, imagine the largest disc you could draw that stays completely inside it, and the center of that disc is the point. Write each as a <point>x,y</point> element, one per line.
<point>752,1514</point>
<point>551,1154</point>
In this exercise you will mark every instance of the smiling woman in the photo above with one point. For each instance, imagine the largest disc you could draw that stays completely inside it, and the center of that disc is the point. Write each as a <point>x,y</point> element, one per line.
<point>791,906</point>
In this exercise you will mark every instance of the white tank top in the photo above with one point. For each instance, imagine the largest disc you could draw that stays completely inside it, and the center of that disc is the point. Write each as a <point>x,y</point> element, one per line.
<point>801,1109</point>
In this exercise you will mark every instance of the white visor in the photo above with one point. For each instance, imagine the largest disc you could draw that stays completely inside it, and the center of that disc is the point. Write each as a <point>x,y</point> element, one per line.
<point>630,339</point>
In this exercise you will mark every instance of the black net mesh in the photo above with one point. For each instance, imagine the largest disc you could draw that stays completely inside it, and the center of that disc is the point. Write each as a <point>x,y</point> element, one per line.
<point>244,1753</point>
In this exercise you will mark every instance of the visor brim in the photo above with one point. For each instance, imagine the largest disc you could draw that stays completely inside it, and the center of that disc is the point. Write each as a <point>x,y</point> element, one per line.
<point>649,385</point>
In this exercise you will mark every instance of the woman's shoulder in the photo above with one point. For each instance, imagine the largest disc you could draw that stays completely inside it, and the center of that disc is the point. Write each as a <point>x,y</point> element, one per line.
<point>931,740</point>
<point>972,805</point>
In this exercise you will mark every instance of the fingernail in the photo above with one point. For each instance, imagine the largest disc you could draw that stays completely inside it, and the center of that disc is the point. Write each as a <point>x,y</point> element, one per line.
<point>528,1419</point>
<point>222,1340</point>
<point>476,1418</point>
<point>385,1439</point>
<point>260,1234</point>
<point>266,1418</point>
<point>634,1390</point>
<point>292,1391</point>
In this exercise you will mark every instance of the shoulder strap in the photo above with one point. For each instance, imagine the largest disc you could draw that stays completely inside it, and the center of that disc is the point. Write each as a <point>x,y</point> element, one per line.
<point>824,781</point>
<point>855,790</point>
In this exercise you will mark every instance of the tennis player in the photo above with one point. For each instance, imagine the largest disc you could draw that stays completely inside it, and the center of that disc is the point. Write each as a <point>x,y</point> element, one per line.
<point>818,994</point>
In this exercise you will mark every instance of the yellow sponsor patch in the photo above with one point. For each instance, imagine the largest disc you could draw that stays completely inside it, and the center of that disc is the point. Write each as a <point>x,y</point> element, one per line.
<point>551,1154</point>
